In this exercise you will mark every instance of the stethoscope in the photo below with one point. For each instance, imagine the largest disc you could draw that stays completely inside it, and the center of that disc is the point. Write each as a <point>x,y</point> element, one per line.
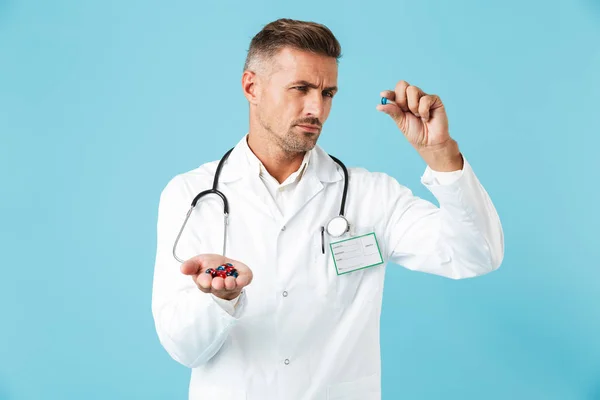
<point>336,227</point>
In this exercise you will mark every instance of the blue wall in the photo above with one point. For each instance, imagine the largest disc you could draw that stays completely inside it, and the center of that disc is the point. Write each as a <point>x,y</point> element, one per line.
<point>101,103</point>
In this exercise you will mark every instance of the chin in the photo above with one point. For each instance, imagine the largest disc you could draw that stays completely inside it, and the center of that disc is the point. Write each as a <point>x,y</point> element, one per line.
<point>299,140</point>
<point>302,145</point>
<point>309,140</point>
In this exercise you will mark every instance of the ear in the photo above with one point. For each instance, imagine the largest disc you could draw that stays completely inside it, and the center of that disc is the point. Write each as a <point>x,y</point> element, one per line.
<point>249,86</point>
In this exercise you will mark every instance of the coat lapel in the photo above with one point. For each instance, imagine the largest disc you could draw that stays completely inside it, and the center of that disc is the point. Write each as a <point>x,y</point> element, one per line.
<point>321,169</point>
<point>239,176</point>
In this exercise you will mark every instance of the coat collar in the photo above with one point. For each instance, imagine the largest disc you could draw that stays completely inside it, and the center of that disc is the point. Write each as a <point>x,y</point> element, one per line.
<point>320,165</point>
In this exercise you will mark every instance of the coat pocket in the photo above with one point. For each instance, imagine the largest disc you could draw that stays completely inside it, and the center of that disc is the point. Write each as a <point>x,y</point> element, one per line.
<point>356,287</point>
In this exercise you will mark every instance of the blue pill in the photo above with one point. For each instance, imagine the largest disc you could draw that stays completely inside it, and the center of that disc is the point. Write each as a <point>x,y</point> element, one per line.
<point>385,101</point>
<point>221,268</point>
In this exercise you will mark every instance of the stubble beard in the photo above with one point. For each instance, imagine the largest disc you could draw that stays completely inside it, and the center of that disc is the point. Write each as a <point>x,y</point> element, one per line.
<point>294,141</point>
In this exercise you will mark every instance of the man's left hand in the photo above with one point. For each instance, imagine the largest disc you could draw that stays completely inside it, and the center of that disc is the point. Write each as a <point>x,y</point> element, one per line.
<point>422,119</point>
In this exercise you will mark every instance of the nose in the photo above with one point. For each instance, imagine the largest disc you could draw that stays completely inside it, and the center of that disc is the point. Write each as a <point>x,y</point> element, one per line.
<point>315,105</point>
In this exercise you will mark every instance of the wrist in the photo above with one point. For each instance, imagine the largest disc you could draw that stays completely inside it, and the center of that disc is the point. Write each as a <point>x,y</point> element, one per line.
<point>228,296</point>
<point>445,157</point>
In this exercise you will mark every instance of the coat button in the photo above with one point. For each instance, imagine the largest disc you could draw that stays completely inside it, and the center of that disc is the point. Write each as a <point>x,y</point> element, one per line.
<point>283,228</point>
<point>286,362</point>
<point>285,293</point>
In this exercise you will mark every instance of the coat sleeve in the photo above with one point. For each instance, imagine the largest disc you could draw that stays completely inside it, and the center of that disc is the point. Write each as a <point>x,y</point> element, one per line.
<point>461,238</point>
<point>190,324</point>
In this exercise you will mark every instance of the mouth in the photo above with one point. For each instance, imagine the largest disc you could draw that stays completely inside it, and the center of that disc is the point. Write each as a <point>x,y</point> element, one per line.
<point>309,128</point>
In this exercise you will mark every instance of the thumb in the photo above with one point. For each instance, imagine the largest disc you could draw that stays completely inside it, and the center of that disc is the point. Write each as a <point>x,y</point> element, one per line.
<point>192,266</point>
<point>393,110</point>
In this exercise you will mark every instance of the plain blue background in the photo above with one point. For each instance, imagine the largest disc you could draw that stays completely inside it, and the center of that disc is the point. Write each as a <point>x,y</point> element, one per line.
<point>101,103</point>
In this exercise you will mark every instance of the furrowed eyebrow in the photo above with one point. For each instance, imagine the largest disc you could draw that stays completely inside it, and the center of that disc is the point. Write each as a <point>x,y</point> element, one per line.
<point>313,86</point>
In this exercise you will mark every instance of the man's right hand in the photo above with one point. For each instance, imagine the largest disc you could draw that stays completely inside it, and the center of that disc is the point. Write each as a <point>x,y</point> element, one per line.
<point>228,288</point>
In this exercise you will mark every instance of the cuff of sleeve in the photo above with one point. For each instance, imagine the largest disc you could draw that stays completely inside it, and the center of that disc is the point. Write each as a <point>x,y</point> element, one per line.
<point>229,306</point>
<point>455,194</point>
<point>433,178</point>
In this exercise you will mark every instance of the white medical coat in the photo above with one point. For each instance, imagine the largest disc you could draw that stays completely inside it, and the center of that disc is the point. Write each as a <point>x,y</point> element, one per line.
<point>300,331</point>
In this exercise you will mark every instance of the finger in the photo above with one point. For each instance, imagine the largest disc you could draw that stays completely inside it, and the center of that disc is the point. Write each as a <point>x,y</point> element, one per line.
<point>414,95</point>
<point>400,91</point>
<point>394,111</point>
<point>230,283</point>
<point>424,105</point>
<point>388,94</point>
<point>192,266</point>
<point>218,284</point>
<point>391,108</point>
<point>204,282</point>
<point>243,279</point>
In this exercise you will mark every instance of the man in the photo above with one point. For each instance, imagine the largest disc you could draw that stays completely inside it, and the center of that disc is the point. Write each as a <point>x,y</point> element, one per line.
<point>291,326</point>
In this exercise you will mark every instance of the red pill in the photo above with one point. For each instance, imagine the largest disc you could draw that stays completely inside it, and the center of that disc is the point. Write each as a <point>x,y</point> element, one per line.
<point>222,274</point>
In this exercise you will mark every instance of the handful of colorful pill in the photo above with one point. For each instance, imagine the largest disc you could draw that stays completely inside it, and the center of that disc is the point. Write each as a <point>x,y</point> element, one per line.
<point>223,271</point>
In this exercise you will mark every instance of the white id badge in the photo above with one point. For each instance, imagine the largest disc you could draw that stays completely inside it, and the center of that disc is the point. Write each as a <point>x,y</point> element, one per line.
<point>356,253</point>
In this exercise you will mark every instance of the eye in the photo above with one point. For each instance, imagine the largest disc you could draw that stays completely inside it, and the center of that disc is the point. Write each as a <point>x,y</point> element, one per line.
<point>301,88</point>
<point>328,94</point>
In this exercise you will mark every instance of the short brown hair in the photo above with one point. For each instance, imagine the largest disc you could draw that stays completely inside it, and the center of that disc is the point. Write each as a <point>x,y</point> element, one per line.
<point>300,35</point>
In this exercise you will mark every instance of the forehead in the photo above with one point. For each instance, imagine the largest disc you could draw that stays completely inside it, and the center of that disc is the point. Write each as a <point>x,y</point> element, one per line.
<point>291,64</point>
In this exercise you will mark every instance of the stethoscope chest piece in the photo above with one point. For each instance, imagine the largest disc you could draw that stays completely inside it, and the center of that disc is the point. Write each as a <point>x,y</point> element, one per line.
<point>338,226</point>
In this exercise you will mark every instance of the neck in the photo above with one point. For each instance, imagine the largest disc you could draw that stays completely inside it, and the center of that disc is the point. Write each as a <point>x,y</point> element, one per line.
<point>279,163</point>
